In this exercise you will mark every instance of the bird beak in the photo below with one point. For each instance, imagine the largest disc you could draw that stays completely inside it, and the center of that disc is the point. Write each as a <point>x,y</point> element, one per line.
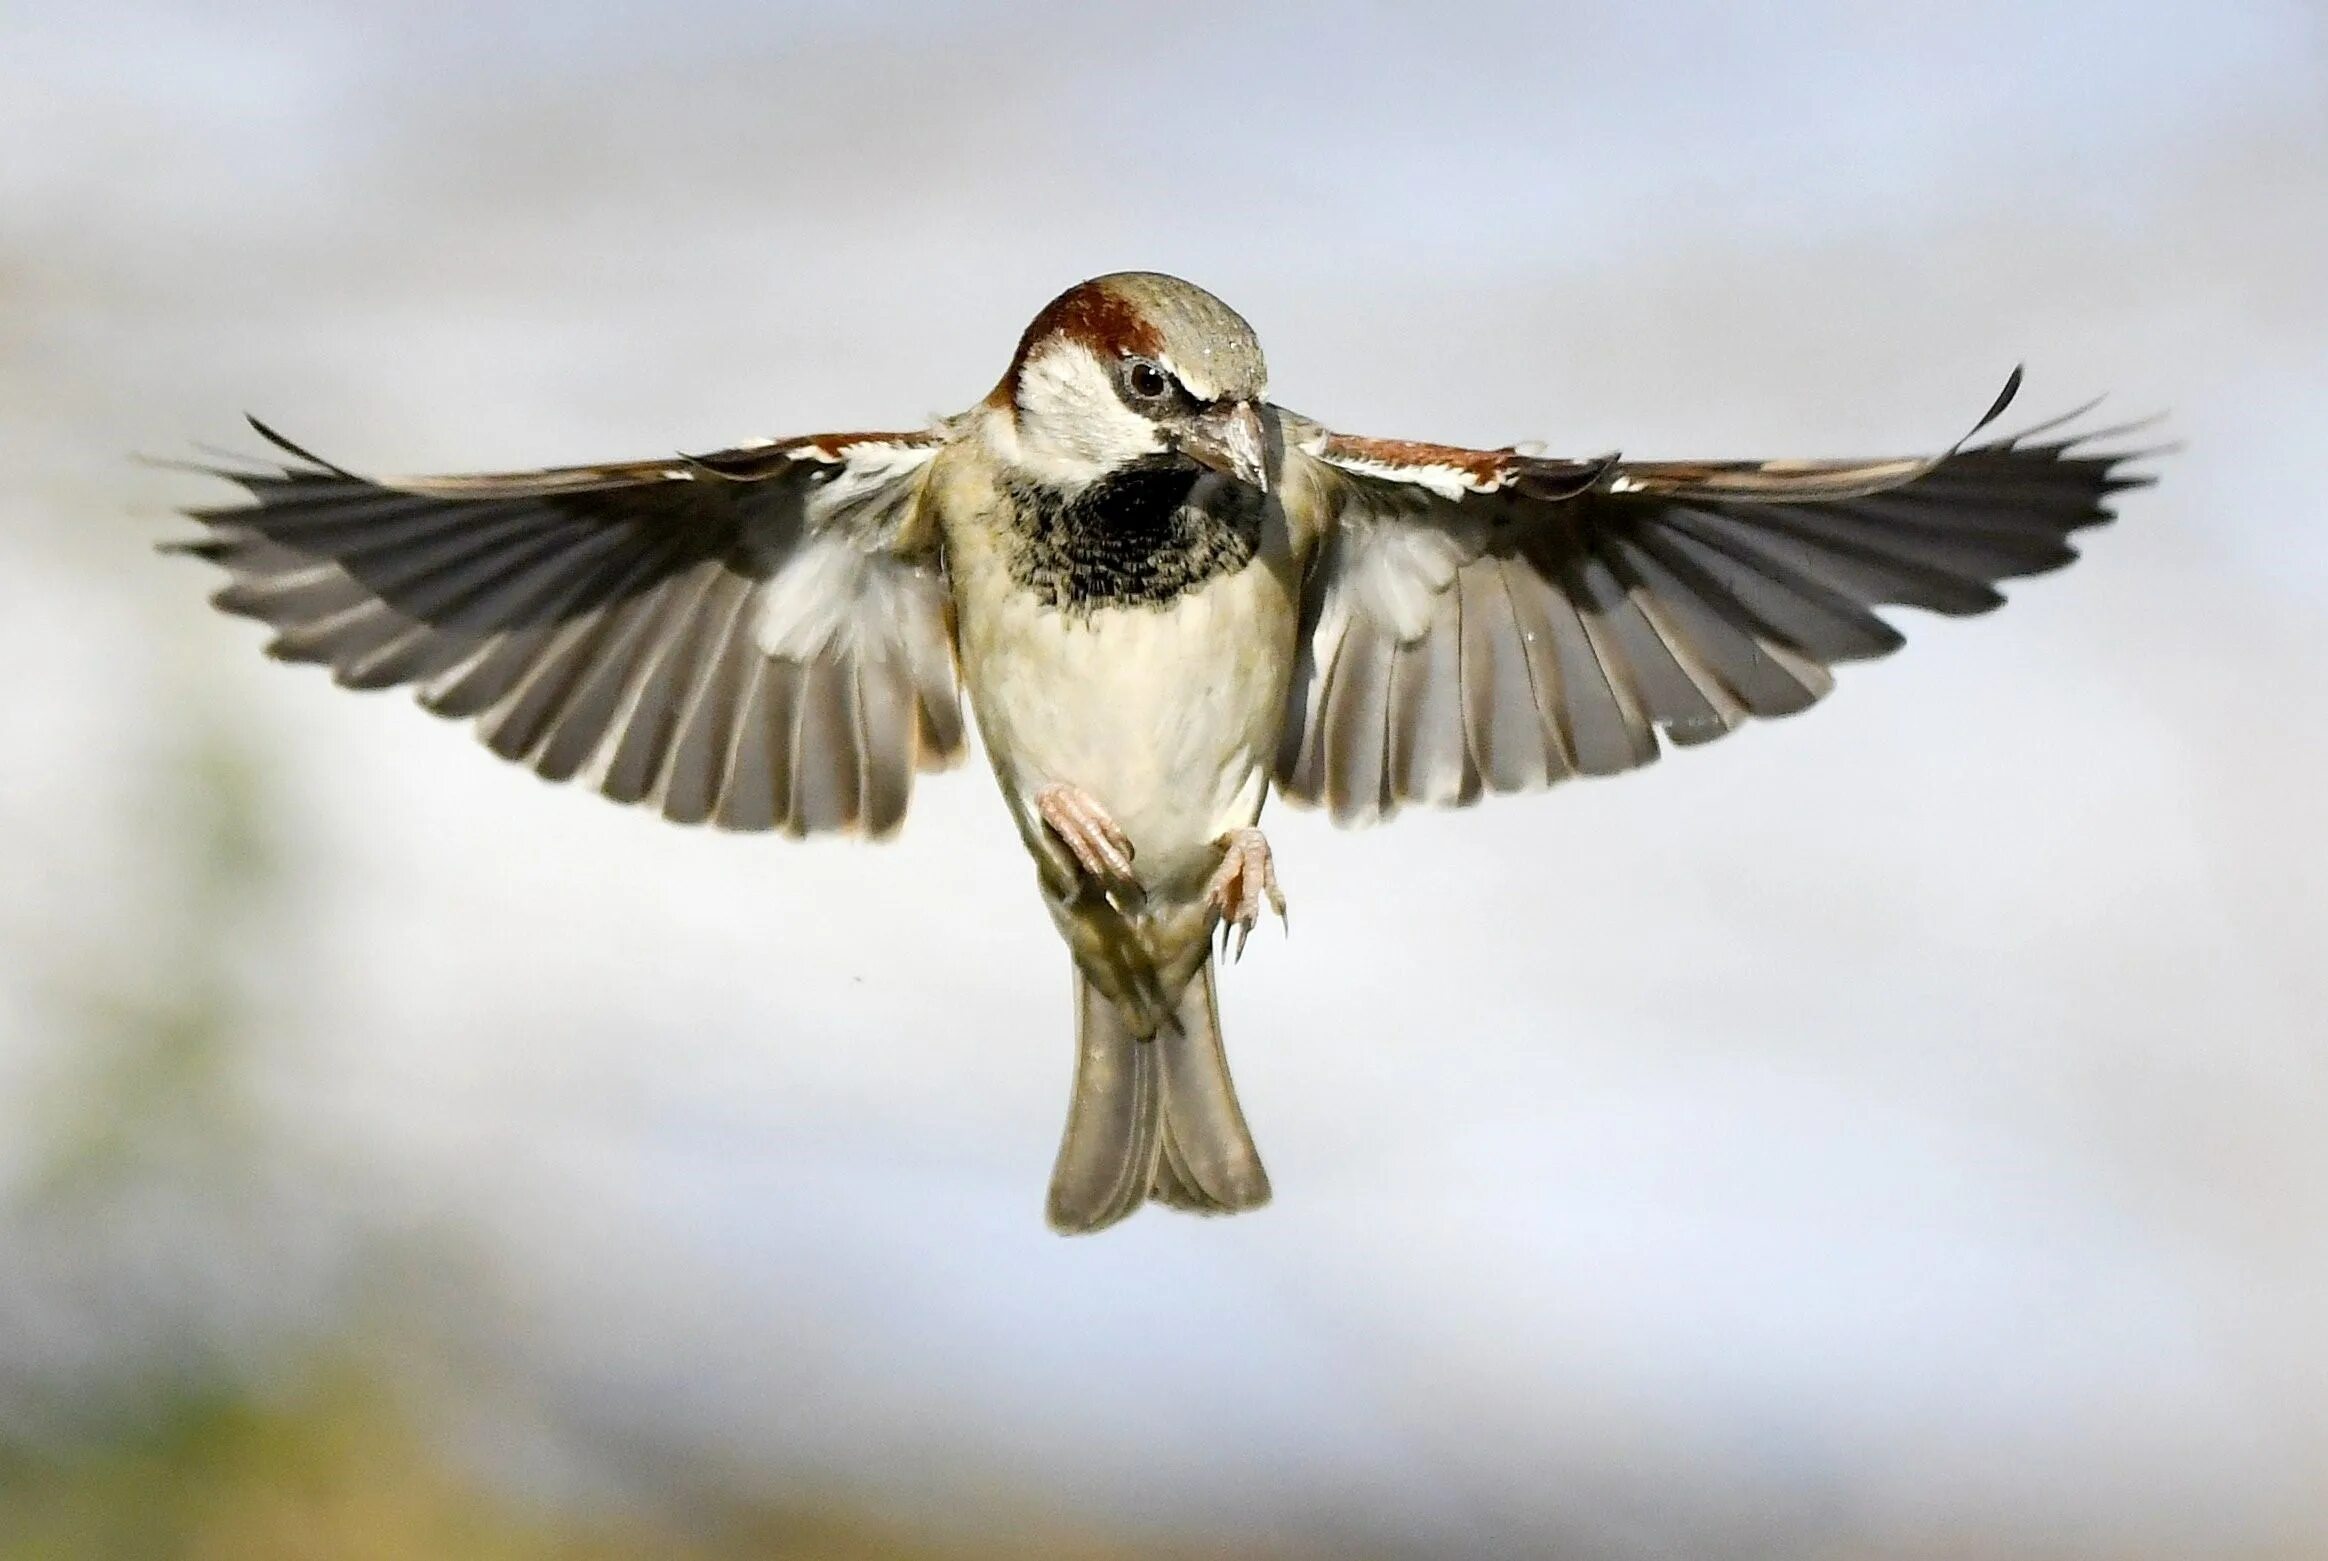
<point>1229,439</point>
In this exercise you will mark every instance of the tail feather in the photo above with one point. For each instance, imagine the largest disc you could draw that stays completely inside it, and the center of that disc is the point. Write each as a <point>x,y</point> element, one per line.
<point>1152,1117</point>
<point>1107,1160</point>
<point>1207,1148</point>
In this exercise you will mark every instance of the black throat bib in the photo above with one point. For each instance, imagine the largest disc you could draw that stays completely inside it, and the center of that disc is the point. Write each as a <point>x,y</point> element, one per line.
<point>1131,539</point>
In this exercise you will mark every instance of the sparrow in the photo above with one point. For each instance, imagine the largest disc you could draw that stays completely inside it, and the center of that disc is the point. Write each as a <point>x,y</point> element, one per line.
<point>1164,595</point>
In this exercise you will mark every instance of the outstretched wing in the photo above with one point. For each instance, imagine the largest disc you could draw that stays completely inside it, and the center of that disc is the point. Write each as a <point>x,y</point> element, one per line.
<point>759,638</point>
<point>1487,620</point>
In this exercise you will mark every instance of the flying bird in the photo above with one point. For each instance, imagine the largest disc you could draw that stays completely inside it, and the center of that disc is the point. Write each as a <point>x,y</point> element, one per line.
<point>1163,595</point>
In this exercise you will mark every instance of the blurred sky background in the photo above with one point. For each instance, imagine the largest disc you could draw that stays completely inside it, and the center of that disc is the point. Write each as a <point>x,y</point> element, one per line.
<point>1900,1131</point>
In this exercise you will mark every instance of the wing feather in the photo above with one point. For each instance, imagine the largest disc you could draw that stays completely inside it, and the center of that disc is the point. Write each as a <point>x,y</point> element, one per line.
<point>751,794</point>
<point>759,638</point>
<point>1357,721</point>
<point>706,735</point>
<point>1536,610</point>
<point>642,738</point>
<point>1505,741</point>
<point>821,750</point>
<point>1430,759</point>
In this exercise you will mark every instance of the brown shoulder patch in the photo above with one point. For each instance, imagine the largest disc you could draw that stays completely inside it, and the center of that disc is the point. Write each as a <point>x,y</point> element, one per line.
<point>1481,471</point>
<point>1486,467</point>
<point>834,446</point>
<point>1091,313</point>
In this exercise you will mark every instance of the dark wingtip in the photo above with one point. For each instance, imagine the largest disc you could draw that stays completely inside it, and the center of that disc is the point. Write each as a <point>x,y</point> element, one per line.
<point>1997,407</point>
<point>299,451</point>
<point>2117,474</point>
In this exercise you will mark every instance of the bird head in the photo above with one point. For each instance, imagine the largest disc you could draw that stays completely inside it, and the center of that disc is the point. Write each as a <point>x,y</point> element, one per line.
<point>1132,368</point>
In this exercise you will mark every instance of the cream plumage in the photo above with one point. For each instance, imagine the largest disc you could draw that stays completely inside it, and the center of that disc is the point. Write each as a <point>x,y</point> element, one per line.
<point>1162,594</point>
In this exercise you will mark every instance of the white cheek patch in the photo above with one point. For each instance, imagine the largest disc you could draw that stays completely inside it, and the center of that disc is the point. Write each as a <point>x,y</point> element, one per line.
<point>1072,421</point>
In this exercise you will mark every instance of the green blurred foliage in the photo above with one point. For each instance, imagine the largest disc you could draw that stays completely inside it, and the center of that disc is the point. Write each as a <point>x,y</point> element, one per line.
<point>338,1474</point>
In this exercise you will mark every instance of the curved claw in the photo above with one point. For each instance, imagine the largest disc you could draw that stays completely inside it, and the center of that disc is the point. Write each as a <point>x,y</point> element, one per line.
<point>1241,885</point>
<point>1096,841</point>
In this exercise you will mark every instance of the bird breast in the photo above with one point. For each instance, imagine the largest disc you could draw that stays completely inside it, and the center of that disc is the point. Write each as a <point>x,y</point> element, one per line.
<point>1166,711</point>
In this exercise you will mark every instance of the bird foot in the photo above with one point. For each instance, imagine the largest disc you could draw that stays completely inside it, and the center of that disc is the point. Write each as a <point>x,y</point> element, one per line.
<point>1246,877</point>
<point>1097,843</point>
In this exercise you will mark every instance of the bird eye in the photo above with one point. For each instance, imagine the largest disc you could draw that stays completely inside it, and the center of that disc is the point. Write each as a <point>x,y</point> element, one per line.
<point>1147,381</point>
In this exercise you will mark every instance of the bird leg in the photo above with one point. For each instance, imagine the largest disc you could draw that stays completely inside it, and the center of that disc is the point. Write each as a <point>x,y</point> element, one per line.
<point>1098,845</point>
<point>1246,877</point>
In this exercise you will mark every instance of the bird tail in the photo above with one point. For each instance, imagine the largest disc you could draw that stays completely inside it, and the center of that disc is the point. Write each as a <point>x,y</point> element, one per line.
<point>1152,1117</point>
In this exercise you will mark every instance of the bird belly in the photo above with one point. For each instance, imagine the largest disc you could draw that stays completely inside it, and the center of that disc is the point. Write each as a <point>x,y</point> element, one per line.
<point>1167,715</point>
